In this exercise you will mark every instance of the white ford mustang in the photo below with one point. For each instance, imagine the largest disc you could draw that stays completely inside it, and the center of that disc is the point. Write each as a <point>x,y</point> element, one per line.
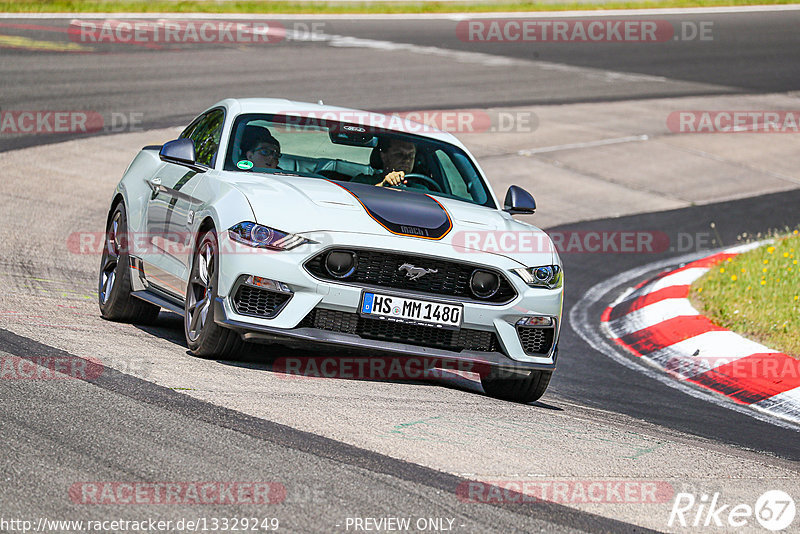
<point>276,220</point>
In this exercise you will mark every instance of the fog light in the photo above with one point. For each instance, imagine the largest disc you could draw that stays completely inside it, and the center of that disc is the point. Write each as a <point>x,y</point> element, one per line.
<point>484,284</point>
<point>341,264</point>
<point>536,320</point>
<point>266,283</point>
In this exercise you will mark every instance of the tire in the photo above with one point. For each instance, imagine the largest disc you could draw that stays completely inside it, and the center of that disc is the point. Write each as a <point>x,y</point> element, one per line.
<point>205,337</point>
<point>114,287</point>
<point>525,390</point>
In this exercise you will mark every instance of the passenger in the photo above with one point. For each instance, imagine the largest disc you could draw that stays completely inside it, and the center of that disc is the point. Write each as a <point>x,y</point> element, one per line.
<point>259,146</point>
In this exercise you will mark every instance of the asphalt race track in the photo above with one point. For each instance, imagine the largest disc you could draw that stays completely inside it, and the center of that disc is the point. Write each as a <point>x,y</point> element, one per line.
<point>345,449</point>
<point>750,53</point>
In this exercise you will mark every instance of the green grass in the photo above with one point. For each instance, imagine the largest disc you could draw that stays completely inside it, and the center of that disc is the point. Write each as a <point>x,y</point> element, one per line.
<point>757,294</point>
<point>296,7</point>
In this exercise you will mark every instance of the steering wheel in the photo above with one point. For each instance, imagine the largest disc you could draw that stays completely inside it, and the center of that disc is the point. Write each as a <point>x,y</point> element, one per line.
<point>424,180</point>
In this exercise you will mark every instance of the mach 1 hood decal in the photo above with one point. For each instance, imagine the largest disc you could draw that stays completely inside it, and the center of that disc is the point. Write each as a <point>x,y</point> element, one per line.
<point>407,213</point>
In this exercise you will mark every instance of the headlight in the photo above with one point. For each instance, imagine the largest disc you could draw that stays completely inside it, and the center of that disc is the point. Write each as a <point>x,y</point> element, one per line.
<point>549,276</point>
<point>255,235</point>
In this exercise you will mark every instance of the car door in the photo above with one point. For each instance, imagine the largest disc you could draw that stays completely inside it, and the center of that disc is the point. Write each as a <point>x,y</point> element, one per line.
<point>171,207</point>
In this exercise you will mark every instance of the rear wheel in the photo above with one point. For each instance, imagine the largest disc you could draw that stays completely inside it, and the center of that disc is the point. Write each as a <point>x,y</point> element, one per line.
<point>523,389</point>
<point>204,336</point>
<point>114,288</point>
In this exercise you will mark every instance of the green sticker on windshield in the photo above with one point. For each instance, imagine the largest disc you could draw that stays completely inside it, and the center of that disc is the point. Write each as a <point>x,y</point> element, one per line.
<point>245,165</point>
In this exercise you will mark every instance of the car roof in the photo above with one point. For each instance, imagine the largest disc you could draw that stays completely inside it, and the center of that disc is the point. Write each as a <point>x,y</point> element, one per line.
<point>395,123</point>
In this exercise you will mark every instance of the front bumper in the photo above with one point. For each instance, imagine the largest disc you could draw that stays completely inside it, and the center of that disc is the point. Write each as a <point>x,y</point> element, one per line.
<point>467,360</point>
<point>309,293</point>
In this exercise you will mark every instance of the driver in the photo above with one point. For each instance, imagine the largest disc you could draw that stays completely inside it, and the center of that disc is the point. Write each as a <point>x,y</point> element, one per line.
<point>397,157</point>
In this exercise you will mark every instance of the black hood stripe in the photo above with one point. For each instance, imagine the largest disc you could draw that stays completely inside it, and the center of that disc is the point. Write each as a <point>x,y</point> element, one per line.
<point>418,215</point>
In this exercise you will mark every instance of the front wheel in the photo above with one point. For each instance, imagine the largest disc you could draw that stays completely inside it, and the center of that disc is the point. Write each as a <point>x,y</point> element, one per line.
<point>524,389</point>
<point>205,337</point>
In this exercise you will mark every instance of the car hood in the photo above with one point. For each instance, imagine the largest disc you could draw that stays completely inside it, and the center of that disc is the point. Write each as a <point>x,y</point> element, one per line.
<point>308,205</point>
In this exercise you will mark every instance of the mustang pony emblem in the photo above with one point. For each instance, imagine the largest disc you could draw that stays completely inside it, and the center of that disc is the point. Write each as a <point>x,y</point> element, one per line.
<point>415,273</point>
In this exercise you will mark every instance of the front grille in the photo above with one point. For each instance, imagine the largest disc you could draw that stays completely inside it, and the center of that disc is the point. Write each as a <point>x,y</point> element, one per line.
<point>259,302</point>
<point>412,334</point>
<point>536,340</point>
<point>381,269</point>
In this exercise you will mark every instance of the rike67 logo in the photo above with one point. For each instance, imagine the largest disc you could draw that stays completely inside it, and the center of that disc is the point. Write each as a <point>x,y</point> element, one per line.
<point>774,510</point>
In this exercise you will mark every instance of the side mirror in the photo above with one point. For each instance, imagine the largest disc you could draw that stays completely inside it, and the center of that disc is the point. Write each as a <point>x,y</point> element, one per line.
<point>519,201</point>
<point>181,152</point>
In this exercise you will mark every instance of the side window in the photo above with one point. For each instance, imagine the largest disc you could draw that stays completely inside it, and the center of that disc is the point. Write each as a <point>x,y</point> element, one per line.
<point>189,129</point>
<point>206,133</point>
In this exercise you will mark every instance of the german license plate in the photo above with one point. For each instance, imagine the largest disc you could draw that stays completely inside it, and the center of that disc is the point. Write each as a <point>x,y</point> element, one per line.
<point>411,310</point>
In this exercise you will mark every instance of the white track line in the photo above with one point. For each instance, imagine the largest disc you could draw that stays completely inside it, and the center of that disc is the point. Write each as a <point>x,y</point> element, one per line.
<point>586,328</point>
<point>587,144</point>
<point>490,60</point>
<point>786,404</point>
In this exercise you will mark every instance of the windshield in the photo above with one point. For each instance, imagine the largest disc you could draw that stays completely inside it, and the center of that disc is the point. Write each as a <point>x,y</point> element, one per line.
<point>345,152</point>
